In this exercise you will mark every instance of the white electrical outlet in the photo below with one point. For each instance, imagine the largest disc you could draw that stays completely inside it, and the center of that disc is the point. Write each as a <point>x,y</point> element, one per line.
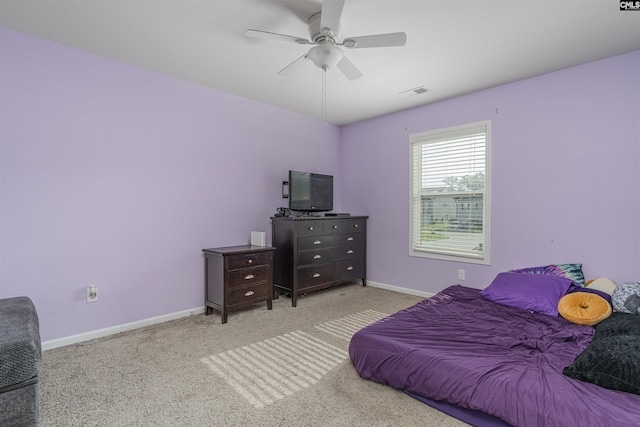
<point>92,293</point>
<point>461,274</point>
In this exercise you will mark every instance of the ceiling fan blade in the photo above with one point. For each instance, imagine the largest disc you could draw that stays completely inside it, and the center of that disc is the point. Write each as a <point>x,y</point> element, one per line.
<point>330,17</point>
<point>259,34</point>
<point>294,66</point>
<point>376,40</point>
<point>348,69</point>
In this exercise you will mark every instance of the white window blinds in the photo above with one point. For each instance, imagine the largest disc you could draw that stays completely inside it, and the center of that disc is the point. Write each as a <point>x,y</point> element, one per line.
<point>450,193</point>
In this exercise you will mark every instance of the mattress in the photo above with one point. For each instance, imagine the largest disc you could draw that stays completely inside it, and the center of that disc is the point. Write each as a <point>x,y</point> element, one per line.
<point>459,348</point>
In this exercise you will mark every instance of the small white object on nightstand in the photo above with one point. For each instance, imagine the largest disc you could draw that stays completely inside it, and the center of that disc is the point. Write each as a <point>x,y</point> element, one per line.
<point>258,238</point>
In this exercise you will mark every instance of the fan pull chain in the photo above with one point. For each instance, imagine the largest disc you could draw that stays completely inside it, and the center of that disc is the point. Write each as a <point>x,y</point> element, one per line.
<point>324,95</point>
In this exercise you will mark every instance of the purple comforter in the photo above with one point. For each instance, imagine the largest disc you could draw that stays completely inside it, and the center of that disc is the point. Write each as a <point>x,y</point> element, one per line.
<point>459,348</point>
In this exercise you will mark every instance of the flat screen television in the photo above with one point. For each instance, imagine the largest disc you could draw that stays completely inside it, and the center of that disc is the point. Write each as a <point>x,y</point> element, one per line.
<point>310,192</point>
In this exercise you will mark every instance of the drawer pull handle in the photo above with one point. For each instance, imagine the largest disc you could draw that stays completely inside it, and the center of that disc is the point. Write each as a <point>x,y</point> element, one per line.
<point>310,229</point>
<point>249,277</point>
<point>350,251</point>
<point>349,268</point>
<point>250,261</point>
<point>317,256</point>
<point>335,227</point>
<point>315,276</point>
<point>248,294</point>
<point>349,239</point>
<point>317,242</point>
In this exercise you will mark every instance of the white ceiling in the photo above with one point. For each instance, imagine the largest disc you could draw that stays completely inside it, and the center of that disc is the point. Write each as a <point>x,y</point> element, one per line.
<point>453,47</point>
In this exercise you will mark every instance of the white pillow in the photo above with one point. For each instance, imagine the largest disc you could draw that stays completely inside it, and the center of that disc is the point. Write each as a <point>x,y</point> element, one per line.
<point>602,284</point>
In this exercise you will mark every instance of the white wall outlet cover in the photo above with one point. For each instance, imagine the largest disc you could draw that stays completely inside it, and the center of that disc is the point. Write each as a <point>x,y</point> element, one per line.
<point>92,293</point>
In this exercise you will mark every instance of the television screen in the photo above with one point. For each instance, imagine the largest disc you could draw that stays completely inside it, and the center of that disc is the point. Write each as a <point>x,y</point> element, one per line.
<point>310,192</point>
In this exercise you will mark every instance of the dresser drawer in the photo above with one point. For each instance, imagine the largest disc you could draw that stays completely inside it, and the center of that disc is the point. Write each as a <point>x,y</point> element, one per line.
<point>315,256</point>
<point>352,250</point>
<point>315,275</point>
<point>247,276</point>
<point>345,225</point>
<point>308,228</point>
<point>315,242</point>
<point>349,239</point>
<point>247,294</point>
<point>248,260</point>
<point>349,269</point>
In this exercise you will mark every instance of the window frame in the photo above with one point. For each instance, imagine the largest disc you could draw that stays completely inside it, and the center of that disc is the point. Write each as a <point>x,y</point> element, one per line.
<point>415,209</point>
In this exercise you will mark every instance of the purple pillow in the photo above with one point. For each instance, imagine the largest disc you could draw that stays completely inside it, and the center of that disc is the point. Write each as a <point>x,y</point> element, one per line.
<point>532,292</point>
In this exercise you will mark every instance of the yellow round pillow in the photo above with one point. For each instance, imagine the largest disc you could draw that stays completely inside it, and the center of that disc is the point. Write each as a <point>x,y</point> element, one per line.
<point>584,308</point>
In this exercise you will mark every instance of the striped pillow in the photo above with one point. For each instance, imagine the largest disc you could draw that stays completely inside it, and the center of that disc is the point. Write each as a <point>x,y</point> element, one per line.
<point>570,271</point>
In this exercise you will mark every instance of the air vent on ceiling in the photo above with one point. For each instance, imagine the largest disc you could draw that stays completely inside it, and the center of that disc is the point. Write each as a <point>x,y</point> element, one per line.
<point>415,91</point>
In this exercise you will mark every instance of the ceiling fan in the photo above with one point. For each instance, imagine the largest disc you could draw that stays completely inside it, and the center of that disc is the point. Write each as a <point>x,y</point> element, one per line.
<point>324,32</point>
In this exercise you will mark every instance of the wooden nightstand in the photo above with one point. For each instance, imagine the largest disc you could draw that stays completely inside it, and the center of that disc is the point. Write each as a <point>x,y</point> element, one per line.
<point>237,277</point>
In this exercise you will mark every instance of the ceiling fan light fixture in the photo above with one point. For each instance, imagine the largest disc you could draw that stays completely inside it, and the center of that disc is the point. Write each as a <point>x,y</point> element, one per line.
<point>325,56</point>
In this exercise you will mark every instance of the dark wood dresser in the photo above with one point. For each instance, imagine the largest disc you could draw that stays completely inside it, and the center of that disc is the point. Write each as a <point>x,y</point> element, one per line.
<point>314,253</point>
<point>237,277</point>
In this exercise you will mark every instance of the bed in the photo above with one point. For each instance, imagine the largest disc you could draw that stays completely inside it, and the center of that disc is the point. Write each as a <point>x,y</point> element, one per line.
<point>488,363</point>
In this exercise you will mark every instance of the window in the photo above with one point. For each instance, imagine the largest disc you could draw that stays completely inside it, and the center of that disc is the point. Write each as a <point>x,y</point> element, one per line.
<point>450,189</point>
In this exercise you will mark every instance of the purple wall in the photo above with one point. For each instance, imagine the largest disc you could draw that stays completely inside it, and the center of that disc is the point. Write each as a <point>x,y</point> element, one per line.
<point>565,181</point>
<point>117,176</point>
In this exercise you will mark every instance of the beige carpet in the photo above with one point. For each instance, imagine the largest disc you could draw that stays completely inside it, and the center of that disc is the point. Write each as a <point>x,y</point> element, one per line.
<point>284,367</point>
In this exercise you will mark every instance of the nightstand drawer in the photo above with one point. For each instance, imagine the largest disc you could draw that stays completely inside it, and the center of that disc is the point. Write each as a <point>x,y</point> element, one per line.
<point>247,276</point>
<point>248,260</point>
<point>247,294</point>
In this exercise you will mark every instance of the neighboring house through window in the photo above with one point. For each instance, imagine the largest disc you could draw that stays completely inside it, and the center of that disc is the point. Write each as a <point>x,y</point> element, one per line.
<point>450,193</point>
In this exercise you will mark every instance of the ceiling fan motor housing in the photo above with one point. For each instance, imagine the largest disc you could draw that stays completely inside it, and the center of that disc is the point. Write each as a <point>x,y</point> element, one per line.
<point>318,34</point>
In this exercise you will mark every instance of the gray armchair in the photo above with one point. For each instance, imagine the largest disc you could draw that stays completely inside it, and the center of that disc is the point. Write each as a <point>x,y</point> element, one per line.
<point>20,356</point>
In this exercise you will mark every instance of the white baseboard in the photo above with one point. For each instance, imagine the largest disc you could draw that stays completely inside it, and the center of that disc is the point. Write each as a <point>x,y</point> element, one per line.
<point>99,333</point>
<point>399,289</point>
